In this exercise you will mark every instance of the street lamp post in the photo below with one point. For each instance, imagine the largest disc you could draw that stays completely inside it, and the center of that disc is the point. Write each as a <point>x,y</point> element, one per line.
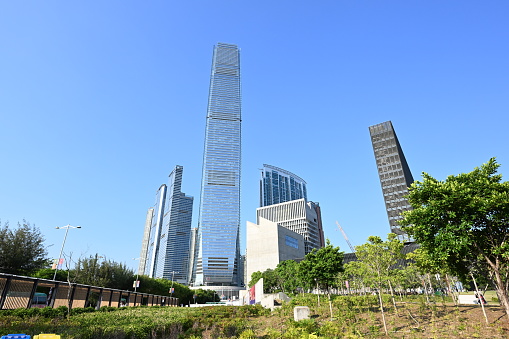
<point>172,275</point>
<point>63,244</point>
<point>137,274</point>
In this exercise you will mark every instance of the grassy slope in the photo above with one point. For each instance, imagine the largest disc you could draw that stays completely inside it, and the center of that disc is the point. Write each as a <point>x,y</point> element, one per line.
<point>353,317</point>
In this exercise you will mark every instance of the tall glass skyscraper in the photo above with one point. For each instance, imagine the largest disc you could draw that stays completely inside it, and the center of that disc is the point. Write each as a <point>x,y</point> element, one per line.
<point>278,185</point>
<point>219,221</point>
<point>394,173</point>
<point>154,232</point>
<point>165,246</point>
<point>173,252</point>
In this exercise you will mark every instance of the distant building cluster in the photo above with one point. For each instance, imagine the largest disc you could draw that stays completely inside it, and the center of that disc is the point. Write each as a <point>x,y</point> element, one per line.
<point>288,225</point>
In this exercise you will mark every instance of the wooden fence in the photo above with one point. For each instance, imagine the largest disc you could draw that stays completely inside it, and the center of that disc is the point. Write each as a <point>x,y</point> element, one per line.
<point>25,292</point>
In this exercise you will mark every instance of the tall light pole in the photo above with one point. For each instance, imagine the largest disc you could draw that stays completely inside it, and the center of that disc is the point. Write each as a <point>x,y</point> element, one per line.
<point>172,274</point>
<point>137,274</point>
<point>63,244</point>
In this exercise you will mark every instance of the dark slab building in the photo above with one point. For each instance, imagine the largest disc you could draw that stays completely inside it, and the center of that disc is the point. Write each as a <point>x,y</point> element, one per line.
<point>394,173</point>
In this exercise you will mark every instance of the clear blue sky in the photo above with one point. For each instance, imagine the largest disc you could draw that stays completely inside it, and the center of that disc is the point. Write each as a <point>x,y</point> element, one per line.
<point>99,100</point>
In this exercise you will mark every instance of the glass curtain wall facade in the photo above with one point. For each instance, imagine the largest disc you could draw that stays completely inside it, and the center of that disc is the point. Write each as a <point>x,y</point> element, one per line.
<point>278,185</point>
<point>219,221</point>
<point>173,252</point>
<point>394,173</point>
<point>165,245</point>
<point>155,229</point>
<point>145,242</point>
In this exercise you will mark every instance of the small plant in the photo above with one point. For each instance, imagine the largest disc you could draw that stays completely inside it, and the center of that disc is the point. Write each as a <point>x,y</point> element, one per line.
<point>247,334</point>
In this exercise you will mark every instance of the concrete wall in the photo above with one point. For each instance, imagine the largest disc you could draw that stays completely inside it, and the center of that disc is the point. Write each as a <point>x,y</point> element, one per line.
<point>266,246</point>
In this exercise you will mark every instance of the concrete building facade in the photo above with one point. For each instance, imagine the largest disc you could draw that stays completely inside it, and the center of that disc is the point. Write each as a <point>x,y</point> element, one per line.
<point>299,216</point>
<point>269,243</point>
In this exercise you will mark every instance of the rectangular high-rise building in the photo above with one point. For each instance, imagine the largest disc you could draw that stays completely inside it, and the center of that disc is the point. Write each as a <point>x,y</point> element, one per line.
<point>217,238</point>
<point>394,173</point>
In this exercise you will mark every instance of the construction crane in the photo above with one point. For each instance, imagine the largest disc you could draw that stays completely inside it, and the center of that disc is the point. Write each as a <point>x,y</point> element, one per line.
<point>346,238</point>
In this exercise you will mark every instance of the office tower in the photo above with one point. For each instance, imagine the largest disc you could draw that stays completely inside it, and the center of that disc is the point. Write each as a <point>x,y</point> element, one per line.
<point>165,246</point>
<point>173,252</point>
<point>145,242</point>
<point>278,185</point>
<point>155,231</point>
<point>299,216</point>
<point>394,173</point>
<point>219,221</point>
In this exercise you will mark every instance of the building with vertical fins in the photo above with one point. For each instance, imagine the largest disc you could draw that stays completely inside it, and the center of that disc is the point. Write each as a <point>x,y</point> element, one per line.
<point>394,173</point>
<point>217,238</point>
<point>278,185</point>
<point>166,240</point>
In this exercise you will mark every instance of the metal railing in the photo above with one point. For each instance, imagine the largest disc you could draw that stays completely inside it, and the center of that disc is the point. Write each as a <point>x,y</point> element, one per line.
<point>26,292</point>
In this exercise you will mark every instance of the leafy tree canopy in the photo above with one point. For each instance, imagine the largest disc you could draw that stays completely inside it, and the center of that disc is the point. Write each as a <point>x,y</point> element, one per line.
<point>463,219</point>
<point>376,260</point>
<point>321,267</point>
<point>22,249</point>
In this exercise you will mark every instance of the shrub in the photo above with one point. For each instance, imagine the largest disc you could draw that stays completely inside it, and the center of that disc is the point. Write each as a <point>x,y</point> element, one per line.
<point>108,309</point>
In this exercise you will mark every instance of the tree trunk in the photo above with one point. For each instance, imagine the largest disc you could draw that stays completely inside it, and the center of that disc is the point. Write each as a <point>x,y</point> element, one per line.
<point>502,292</point>
<point>453,295</point>
<point>318,294</point>
<point>425,289</point>
<point>382,309</point>
<point>330,307</point>
<point>392,297</point>
<point>431,286</point>
<point>479,298</point>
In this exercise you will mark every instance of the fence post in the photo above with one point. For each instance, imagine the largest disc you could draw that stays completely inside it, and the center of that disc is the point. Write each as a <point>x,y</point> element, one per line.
<point>54,294</point>
<point>5,291</point>
<point>86,297</point>
<point>99,299</point>
<point>71,297</point>
<point>32,293</point>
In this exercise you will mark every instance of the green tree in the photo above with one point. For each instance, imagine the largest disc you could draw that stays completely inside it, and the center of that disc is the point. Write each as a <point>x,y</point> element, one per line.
<point>22,249</point>
<point>93,271</point>
<point>48,273</point>
<point>462,220</point>
<point>270,280</point>
<point>287,276</point>
<point>376,262</point>
<point>203,296</point>
<point>255,277</point>
<point>321,267</point>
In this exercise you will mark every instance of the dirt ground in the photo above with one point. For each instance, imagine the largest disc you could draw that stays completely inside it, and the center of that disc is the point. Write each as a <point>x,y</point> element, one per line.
<point>444,321</point>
